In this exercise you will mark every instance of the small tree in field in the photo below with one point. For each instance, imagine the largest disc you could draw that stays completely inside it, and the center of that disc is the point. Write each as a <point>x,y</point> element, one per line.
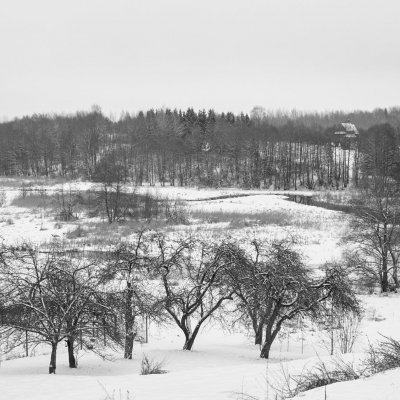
<point>248,289</point>
<point>348,331</point>
<point>275,286</point>
<point>193,283</point>
<point>128,267</point>
<point>112,199</point>
<point>66,203</point>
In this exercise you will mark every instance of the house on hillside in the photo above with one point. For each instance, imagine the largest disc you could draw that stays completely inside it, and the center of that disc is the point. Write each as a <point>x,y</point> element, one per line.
<point>348,130</point>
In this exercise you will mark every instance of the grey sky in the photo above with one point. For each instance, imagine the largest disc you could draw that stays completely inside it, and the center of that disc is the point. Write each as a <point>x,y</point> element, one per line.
<point>61,55</point>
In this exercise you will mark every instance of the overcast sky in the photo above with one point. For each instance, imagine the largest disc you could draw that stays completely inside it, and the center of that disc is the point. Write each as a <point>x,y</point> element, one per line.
<point>128,55</point>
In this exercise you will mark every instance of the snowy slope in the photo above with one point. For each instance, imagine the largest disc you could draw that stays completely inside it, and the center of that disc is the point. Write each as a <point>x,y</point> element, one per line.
<point>222,365</point>
<point>383,386</point>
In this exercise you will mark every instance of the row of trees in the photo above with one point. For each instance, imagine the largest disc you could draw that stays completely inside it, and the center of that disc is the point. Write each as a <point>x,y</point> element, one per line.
<point>94,302</point>
<point>187,147</point>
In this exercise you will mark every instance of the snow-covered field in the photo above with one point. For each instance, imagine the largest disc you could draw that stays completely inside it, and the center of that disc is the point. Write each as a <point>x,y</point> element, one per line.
<point>261,214</point>
<point>224,364</point>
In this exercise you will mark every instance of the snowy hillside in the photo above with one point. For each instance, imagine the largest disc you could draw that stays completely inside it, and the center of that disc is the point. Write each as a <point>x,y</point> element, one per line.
<point>225,363</point>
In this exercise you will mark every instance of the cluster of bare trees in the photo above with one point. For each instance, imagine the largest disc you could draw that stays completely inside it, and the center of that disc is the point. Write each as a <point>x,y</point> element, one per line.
<point>53,295</point>
<point>94,302</point>
<point>191,148</point>
<point>375,227</point>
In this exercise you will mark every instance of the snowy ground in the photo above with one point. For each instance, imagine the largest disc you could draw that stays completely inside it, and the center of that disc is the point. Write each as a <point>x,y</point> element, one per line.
<point>384,386</point>
<point>261,214</point>
<point>382,317</point>
<point>223,365</point>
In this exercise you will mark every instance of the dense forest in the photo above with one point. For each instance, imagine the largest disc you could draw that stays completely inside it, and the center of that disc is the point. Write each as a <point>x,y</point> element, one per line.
<point>264,149</point>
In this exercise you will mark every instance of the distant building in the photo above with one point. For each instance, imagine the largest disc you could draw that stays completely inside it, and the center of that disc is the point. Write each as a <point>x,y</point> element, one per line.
<point>348,130</point>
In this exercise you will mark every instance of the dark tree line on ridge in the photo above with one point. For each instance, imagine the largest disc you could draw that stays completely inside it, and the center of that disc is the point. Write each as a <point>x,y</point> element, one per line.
<point>183,148</point>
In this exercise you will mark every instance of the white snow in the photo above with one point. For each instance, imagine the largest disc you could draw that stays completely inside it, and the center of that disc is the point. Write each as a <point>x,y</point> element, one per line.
<point>261,214</point>
<point>224,364</point>
<point>221,366</point>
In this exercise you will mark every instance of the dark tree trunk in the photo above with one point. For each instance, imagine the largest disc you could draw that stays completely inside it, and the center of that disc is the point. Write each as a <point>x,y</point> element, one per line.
<point>384,281</point>
<point>395,277</point>
<point>270,336</point>
<point>129,323</point>
<point>189,342</point>
<point>265,349</point>
<point>71,356</point>
<point>190,337</point>
<point>258,335</point>
<point>384,274</point>
<point>128,348</point>
<point>394,273</point>
<point>53,358</point>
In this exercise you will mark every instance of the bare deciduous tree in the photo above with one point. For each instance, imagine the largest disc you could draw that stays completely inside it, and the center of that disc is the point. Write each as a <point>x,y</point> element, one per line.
<point>54,294</point>
<point>128,267</point>
<point>275,286</point>
<point>193,283</point>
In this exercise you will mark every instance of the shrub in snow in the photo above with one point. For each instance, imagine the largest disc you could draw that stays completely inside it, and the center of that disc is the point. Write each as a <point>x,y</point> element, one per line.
<point>113,396</point>
<point>78,232</point>
<point>342,329</point>
<point>386,355</point>
<point>66,205</point>
<point>321,374</point>
<point>151,366</point>
<point>176,213</point>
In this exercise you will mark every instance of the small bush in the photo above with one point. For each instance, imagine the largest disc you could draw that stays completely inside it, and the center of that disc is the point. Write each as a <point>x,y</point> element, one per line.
<point>66,215</point>
<point>349,331</point>
<point>78,232</point>
<point>176,213</point>
<point>25,189</point>
<point>342,332</point>
<point>66,203</point>
<point>10,221</point>
<point>57,225</point>
<point>318,376</point>
<point>386,355</point>
<point>116,395</point>
<point>151,366</point>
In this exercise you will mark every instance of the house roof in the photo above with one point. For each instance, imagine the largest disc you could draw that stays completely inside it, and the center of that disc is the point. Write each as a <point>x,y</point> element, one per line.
<point>349,130</point>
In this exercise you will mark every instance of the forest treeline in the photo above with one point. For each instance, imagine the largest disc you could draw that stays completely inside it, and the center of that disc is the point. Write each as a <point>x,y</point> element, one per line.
<point>264,149</point>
